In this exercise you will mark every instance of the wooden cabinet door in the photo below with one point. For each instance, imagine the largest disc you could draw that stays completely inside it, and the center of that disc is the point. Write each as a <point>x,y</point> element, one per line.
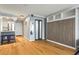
<point>69,32</point>
<point>62,31</point>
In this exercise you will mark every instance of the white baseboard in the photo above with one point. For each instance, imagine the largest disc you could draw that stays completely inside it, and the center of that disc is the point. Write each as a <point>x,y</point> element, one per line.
<point>31,40</point>
<point>25,37</point>
<point>28,39</point>
<point>61,44</point>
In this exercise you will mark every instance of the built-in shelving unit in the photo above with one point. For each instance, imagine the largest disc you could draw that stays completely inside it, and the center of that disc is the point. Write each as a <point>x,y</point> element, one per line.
<point>7,31</point>
<point>7,24</point>
<point>69,13</point>
<point>66,14</point>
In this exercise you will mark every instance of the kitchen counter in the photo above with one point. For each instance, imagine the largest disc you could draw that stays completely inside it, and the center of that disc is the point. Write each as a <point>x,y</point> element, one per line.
<point>8,33</point>
<point>7,37</point>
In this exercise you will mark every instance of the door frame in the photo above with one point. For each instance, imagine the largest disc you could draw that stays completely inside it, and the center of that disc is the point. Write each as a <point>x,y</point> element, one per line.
<point>38,29</point>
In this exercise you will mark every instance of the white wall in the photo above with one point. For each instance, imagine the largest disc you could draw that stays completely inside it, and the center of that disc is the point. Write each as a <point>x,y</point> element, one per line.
<point>0,24</point>
<point>33,21</point>
<point>32,36</point>
<point>43,28</point>
<point>27,28</point>
<point>18,28</point>
<point>77,24</point>
<point>0,28</point>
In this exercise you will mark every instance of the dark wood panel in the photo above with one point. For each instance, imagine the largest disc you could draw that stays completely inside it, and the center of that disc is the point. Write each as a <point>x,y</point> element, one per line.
<point>52,31</point>
<point>62,31</point>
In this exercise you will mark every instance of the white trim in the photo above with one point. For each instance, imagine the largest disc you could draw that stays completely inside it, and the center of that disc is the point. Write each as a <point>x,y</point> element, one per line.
<point>31,40</point>
<point>76,25</point>
<point>26,38</point>
<point>61,44</point>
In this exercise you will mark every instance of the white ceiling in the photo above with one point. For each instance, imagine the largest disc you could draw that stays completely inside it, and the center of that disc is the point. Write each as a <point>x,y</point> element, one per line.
<point>38,9</point>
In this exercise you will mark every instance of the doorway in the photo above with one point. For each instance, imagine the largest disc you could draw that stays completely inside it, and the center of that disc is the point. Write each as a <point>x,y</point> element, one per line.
<point>18,28</point>
<point>38,29</point>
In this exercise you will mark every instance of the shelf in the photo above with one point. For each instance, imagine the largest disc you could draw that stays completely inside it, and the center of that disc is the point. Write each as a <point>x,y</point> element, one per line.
<point>50,18</point>
<point>58,16</point>
<point>69,17</point>
<point>69,13</point>
<point>62,19</point>
<point>66,14</point>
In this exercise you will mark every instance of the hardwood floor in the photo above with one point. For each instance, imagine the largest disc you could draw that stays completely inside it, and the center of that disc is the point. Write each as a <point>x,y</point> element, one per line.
<point>25,47</point>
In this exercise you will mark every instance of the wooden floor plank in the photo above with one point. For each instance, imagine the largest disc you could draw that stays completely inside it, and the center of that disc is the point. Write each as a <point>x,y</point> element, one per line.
<point>24,47</point>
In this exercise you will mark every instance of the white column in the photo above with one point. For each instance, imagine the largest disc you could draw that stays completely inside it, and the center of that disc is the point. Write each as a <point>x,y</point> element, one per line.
<point>1,23</point>
<point>76,25</point>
